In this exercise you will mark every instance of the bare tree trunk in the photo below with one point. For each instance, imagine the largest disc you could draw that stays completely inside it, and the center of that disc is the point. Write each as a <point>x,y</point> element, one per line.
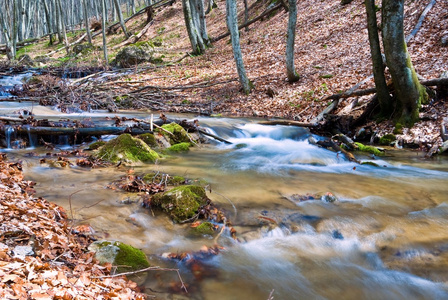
<point>384,97</point>
<point>246,14</point>
<point>103,12</point>
<point>86,21</point>
<point>202,22</point>
<point>191,30</point>
<point>232,25</point>
<point>64,31</point>
<point>48,18</point>
<point>120,17</point>
<point>211,4</point>
<point>290,39</point>
<point>408,90</point>
<point>14,30</point>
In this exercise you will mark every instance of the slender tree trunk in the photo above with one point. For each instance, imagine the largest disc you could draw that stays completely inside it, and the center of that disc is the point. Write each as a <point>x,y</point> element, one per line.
<point>290,39</point>
<point>86,21</point>
<point>120,17</point>
<point>7,35</point>
<point>408,90</point>
<point>14,28</point>
<point>384,97</point>
<point>232,25</point>
<point>246,14</point>
<point>64,31</point>
<point>48,18</point>
<point>211,4</point>
<point>103,12</point>
<point>202,22</point>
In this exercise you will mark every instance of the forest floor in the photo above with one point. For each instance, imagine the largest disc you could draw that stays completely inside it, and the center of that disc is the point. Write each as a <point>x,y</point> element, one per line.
<point>332,55</point>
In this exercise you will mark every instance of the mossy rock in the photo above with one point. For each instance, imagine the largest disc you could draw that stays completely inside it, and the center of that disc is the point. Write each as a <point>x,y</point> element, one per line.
<point>156,176</point>
<point>369,149</point>
<point>131,56</point>
<point>369,163</point>
<point>128,149</point>
<point>125,257</point>
<point>182,202</point>
<point>179,148</point>
<point>179,135</point>
<point>205,228</point>
<point>149,139</point>
<point>96,145</point>
<point>387,139</point>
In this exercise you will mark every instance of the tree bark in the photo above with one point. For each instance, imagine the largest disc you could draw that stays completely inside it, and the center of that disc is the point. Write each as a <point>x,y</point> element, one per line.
<point>48,19</point>
<point>86,21</point>
<point>290,39</point>
<point>103,21</point>
<point>409,92</point>
<point>120,17</point>
<point>384,97</point>
<point>232,25</point>
<point>193,34</point>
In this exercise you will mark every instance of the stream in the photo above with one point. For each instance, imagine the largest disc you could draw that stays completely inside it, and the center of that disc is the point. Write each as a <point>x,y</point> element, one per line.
<point>385,238</point>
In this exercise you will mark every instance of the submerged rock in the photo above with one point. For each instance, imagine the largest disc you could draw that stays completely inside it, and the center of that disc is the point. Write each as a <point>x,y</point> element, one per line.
<point>182,202</point>
<point>128,149</point>
<point>125,257</point>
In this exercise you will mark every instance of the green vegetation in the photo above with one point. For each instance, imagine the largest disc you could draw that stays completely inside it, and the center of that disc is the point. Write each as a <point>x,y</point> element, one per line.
<point>178,148</point>
<point>181,203</point>
<point>387,139</point>
<point>96,145</point>
<point>179,135</point>
<point>205,228</point>
<point>369,149</point>
<point>149,139</point>
<point>125,257</point>
<point>127,148</point>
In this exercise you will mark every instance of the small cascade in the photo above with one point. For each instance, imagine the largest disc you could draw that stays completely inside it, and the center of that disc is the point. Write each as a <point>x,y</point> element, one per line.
<point>64,141</point>
<point>9,131</point>
<point>32,138</point>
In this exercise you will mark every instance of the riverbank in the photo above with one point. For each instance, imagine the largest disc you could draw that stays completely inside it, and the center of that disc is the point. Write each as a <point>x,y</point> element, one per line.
<point>331,55</point>
<point>41,255</point>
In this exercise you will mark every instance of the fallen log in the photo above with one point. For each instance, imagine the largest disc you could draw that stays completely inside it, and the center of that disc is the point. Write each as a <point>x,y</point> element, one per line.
<point>94,131</point>
<point>288,123</point>
<point>267,12</point>
<point>420,20</point>
<point>370,91</point>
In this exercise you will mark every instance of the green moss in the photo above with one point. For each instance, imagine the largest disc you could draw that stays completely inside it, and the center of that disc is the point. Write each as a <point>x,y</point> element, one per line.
<point>205,228</point>
<point>387,139</point>
<point>125,257</point>
<point>96,145</point>
<point>176,180</point>
<point>369,163</point>
<point>181,147</point>
<point>398,128</point>
<point>369,149</point>
<point>127,148</point>
<point>181,203</point>
<point>179,135</point>
<point>326,76</point>
<point>149,139</point>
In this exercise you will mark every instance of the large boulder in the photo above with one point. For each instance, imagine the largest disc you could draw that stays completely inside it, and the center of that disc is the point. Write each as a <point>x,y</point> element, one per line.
<point>125,257</point>
<point>182,202</point>
<point>131,56</point>
<point>127,149</point>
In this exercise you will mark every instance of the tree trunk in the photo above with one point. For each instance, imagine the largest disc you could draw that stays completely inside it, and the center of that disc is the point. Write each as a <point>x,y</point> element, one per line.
<point>290,38</point>
<point>409,92</point>
<point>120,17</point>
<point>64,31</point>
<point>232,25</point>
<point>103,21</point>
<point>86,21</point>
<point>191,30</point>
<point>384,97</point>
<point>202,22</point>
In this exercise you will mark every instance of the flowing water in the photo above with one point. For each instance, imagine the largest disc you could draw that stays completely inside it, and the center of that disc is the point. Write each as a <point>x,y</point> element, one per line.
<point>386,237</point>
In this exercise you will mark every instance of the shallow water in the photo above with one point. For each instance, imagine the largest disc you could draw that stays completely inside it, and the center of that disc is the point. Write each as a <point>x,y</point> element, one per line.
<point>385,238</point>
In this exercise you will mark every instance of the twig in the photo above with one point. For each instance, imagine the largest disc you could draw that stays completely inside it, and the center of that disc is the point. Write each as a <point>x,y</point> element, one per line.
<point>271,295</point>
<point>420,21</point>
<point>145,270</point>
<point>233,205</point>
